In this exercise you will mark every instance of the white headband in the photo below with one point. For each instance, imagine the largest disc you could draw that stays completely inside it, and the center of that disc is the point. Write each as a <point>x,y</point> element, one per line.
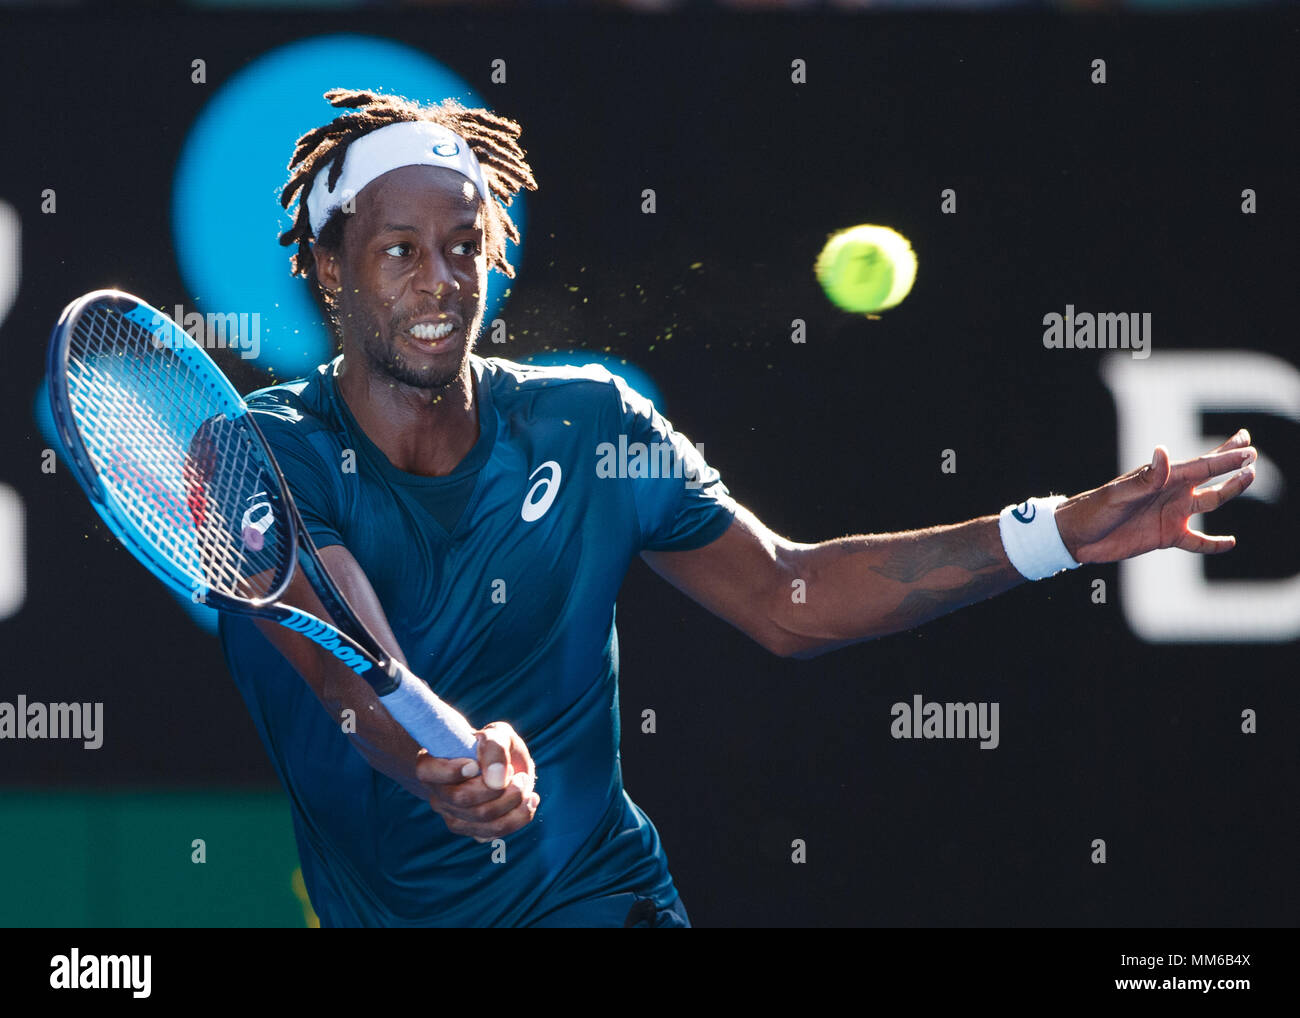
<point>408,143</point>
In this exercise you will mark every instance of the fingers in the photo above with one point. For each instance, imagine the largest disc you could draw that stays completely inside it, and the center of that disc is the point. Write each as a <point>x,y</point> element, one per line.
<point>504,814</point>
<point>434,770</point>
<point>1151,476</point>
<point>1206,500</point>
<point>1237,441</point>
<point>1204,544</point>
<point>1212,464</point>
<point>524,771</point>
<point>522,761</point>
<point>509,823</point>
<point>1209,499</point>
<point>494,754</point>
<point>466,797</point>
<point>1235,452</point>
<point>472,802</point>
<point>1160,468</point>
<point>525,782</point>
<point>454,785</point>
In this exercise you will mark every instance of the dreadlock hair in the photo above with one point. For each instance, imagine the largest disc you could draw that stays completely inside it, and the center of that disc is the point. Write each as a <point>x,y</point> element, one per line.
<point>492,138</point>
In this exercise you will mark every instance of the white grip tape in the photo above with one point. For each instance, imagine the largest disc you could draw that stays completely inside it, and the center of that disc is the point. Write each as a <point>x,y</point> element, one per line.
<point>1031,539</point>
<point>439,728</point>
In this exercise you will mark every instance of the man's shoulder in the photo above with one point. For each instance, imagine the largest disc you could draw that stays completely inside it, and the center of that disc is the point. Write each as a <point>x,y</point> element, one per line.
<point>298,419</point>
<point>301,405</point>
<point>582,386</point>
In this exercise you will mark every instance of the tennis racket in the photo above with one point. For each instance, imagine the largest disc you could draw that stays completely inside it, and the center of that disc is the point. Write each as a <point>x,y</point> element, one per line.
<point>179,471</point>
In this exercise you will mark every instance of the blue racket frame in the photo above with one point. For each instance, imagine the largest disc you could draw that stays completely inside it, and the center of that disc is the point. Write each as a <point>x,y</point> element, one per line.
<point>358,655</point>
<point>431,722</point>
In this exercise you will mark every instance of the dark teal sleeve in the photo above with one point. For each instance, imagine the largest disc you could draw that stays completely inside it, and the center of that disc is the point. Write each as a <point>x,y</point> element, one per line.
<point>314,484</point>
<point>681,502</point>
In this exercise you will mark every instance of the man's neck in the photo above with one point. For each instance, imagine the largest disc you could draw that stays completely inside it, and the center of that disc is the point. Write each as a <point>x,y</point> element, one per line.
<point>421,431</point>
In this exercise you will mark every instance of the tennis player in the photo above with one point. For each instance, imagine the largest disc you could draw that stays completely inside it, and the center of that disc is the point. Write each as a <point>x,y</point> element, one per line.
<point>474,512</point>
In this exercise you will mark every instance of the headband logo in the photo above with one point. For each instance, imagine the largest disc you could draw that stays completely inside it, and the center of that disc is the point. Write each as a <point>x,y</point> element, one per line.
<point>446,149</point>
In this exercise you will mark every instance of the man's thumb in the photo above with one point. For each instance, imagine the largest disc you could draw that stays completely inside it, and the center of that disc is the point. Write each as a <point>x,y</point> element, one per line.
<point>1155,474</point>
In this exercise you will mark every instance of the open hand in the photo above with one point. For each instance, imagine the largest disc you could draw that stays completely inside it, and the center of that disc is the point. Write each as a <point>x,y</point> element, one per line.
<point>1150,507</point>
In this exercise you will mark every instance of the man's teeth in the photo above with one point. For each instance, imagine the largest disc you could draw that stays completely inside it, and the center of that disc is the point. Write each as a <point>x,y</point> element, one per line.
<point>429,331</point>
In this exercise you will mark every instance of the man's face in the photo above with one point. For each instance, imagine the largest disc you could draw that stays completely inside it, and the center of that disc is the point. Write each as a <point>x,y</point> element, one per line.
<point>411,266</point>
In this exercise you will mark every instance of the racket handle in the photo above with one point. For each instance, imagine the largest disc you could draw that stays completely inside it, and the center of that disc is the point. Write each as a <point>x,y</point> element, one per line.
<point>439,728</point>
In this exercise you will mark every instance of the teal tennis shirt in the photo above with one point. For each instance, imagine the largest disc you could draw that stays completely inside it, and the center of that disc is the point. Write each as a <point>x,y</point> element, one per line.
<point>499,583</point>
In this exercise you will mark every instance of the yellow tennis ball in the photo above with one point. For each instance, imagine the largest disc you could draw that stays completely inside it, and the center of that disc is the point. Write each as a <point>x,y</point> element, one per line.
<point>866,268</point>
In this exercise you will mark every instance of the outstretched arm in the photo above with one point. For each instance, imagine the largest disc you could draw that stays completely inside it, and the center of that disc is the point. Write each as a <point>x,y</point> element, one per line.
<point>800,600</point>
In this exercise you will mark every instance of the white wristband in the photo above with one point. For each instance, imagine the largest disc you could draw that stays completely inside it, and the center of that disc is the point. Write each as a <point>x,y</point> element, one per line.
<point>1031,539</point>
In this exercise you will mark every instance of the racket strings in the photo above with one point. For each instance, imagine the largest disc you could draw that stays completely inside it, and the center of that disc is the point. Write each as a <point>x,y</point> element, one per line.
<point>192,483</point>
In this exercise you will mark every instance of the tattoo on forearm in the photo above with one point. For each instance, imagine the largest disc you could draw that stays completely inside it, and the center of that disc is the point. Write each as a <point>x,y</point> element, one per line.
<point>908,560</point>
<point>873,585</point>
<point>923,605</point>
<point>912,559</point>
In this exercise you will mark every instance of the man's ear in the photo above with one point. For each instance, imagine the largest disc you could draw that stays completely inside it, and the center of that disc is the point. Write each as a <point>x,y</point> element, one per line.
<point>326,262</point>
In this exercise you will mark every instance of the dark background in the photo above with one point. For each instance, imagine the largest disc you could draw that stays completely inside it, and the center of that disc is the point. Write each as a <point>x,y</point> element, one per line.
<point>1123,196</point>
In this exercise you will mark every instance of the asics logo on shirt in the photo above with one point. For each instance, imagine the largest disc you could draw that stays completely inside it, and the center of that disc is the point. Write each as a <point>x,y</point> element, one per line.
<point>542,493</point>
